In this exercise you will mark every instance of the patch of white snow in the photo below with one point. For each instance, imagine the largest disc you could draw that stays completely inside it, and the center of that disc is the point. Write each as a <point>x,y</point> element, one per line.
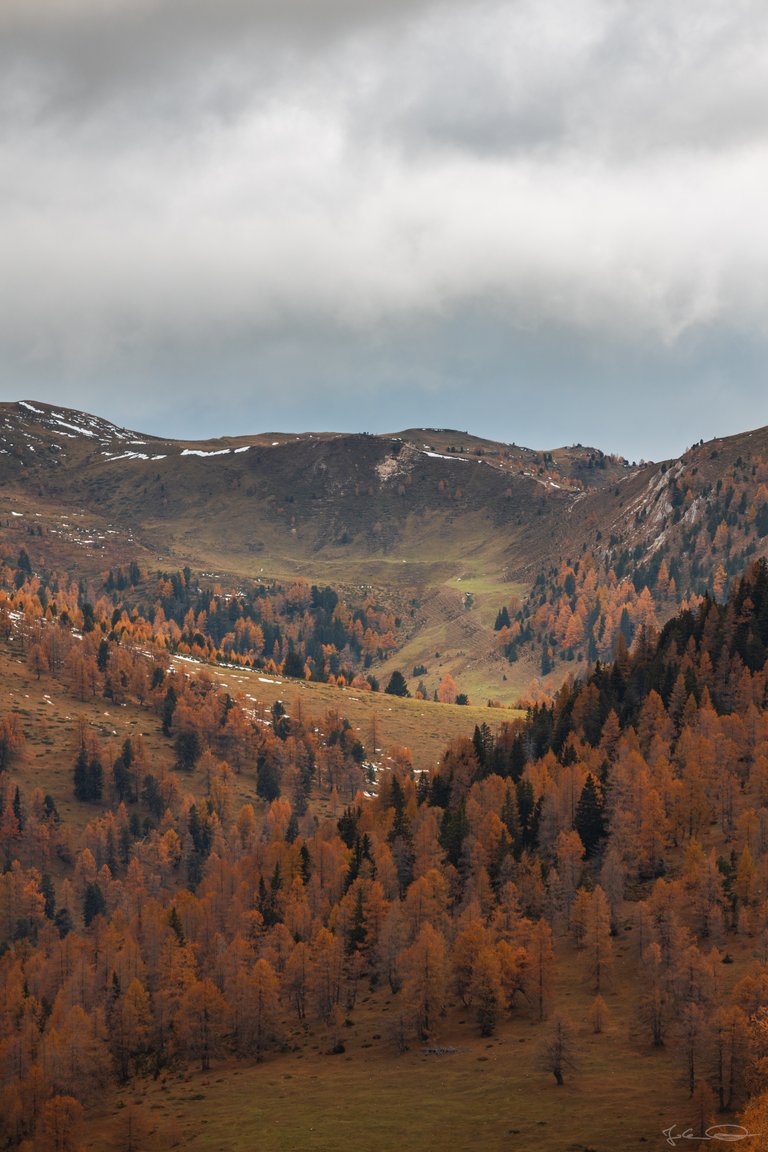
<point>199,452</point>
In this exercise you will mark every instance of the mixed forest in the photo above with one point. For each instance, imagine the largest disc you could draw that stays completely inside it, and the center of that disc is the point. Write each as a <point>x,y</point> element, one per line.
<point>238,891</point>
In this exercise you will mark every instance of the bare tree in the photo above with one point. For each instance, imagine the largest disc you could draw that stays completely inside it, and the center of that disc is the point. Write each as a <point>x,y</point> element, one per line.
<point>558,1050</point>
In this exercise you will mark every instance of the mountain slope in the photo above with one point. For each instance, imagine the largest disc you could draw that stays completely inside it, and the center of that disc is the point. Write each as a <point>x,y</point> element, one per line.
<point>443,527</point>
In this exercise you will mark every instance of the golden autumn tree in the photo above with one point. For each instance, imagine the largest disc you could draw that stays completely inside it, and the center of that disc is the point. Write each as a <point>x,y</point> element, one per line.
<point>257,996</point>
<point>598,944</point>
<point>76,1053</point>
<point>201,1022</point>
<point>540,967</point>
<point>129,1020</point>
<point>486,989</point>
<point>425,979</point>
<point>61,1122</point>
<point>447,691</point>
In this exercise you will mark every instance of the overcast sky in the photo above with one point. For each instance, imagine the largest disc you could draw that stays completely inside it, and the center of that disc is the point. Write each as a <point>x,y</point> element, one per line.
<point>539,220</point>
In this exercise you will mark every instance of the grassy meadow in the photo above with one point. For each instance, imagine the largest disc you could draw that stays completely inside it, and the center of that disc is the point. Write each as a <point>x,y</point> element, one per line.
<point>486,1094</point>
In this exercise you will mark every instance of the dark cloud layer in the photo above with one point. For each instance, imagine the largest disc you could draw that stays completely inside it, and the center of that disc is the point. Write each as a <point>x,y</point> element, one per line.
<point>513,217</point>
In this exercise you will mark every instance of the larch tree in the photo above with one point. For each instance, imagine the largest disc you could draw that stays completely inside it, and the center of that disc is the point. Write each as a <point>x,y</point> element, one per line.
<point>558,1050</point>
<point>569,853</point>
<point>76,1054</point>
<point>486,989</point>
<point>327,971</point>
<point>61,1122</point>
<point>597,940</point>
<point>654,1008</point>
<point>693,1027</point>
<point>297,979</point>
<point>201,1022</point>
<point>540,968</point>
<point>133,1129</point>
<point>258,996</point>
<point>389,949</point>
<point>613,876</point>
<point>468,943</point>
<point>425,979</point>
<point>447,691</point>
<point>129,1020</point>
<point>729,1055</point>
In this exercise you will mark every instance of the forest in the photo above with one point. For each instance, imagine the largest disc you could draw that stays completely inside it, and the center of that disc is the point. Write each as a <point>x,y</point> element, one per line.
<point>262,875</point>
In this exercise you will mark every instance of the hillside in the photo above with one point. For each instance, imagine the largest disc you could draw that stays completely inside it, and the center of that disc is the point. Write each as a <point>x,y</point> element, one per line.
<point>562,896</point>
<point>443,529</point>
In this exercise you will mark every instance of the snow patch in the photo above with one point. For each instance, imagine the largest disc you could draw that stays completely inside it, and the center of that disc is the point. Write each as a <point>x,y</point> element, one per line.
<point>199,452</point>
<point>74,428</point>
<point>31,408</point>
<point>440,456</point>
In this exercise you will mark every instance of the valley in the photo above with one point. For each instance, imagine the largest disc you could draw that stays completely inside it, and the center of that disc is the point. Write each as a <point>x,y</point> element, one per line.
<point>443,528</point>
<point>349,783</point>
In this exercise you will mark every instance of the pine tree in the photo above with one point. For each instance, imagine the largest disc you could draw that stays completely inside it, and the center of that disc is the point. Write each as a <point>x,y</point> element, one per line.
<point>82,783</point>
<point>502,619</point>
<point>397,685</point>
<point>588,821</point>
<point>94,903</point>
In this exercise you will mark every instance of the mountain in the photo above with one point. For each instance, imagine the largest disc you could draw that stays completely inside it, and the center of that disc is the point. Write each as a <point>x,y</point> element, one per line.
<point>212,868</point>
<point>501,563</point>
<point>199,891</point>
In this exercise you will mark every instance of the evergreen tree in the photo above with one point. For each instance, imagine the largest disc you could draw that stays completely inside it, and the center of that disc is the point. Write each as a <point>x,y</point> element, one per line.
<point>152,796</point>
<point>453,831</point>
<point>397,685</point>
<point>123,780</point>
<point>49,895</point>
<point>502,619</point>
<point>81,776</point>
<point>188,749</point>
<point>588,821</point>
<point>17,809</point>
<point>169,707</point>
<point>174,922</point>
<point>293,665</point>
<point>267,780</point>
<point>94,903</point>
<point>102,656</point>
<point>88,777</point>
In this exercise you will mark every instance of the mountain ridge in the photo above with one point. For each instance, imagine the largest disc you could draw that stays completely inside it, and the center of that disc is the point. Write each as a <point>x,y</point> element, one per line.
<point>445,527</point>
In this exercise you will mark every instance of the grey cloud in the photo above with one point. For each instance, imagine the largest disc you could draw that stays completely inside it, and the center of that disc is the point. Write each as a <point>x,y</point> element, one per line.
<point>404,206</point>
<point>611,79</point>
<point>67,59</point>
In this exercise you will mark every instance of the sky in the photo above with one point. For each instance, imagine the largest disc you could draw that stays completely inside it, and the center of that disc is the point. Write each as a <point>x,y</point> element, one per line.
<point>541,221</point>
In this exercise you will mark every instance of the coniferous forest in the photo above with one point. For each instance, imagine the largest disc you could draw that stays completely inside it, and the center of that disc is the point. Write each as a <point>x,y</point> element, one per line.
<point>226,887</point>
